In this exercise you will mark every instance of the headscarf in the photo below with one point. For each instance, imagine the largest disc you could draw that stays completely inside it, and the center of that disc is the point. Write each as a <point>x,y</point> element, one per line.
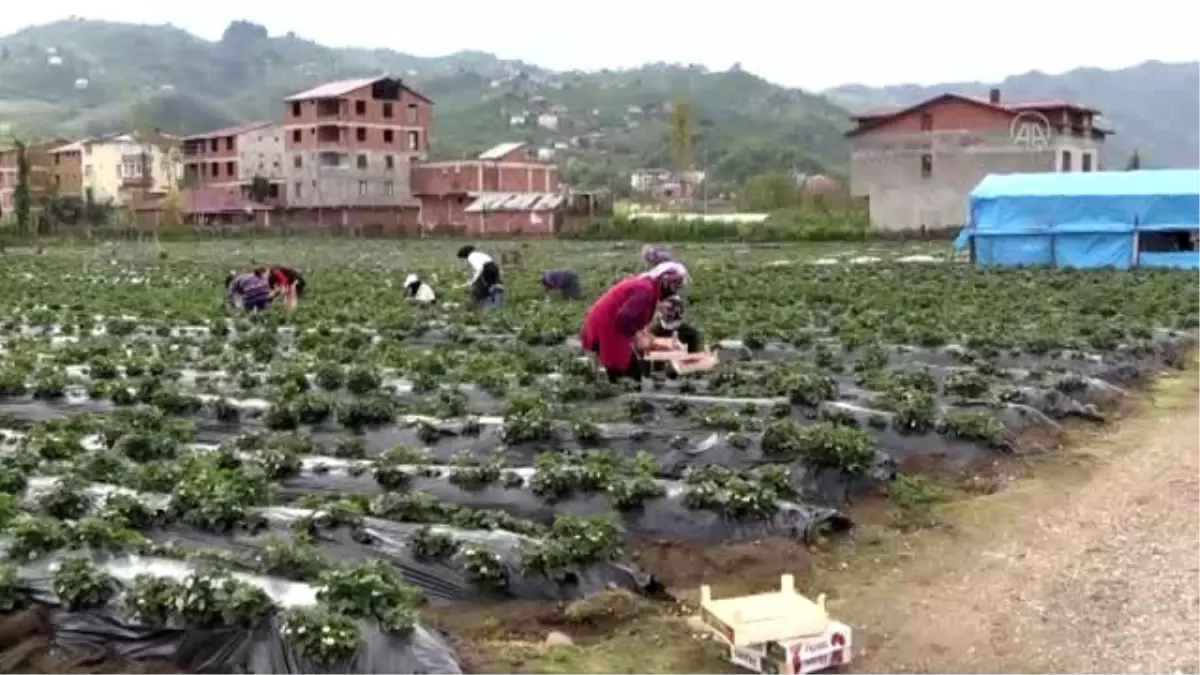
<point>671,276</point>
<point>411,283</point>
<point>667,268</point>
<point>654,255</point>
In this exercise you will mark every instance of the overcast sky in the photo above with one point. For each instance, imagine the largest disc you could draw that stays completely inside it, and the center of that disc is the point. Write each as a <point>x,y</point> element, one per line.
<point>803,43</point>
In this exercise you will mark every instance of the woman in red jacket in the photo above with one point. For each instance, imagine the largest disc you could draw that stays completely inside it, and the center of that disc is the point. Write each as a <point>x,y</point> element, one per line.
<point>613,327</point>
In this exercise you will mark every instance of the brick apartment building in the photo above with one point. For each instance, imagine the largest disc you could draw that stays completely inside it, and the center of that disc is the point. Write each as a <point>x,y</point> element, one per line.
<point>41,175</point>
<point>917,165</point>
<point>501,190</point>
<point>349,148</point>
<point>234,156</point>
<point>66,168</point>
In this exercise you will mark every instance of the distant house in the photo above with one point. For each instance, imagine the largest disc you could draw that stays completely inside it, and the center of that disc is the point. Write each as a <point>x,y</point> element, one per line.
<point>41,175</point>
<point>117,168</point>
<point>548,121</point>
<point>502,190</point>
<point>234,156</point>
<point>665,184</point>
<point>916,165</point>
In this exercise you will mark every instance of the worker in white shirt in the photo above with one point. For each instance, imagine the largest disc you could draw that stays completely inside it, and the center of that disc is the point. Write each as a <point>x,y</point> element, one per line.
<point>417,290</point>
<point>486,287</point>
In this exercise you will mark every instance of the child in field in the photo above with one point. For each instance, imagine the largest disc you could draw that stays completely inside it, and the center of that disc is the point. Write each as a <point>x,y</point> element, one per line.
<point>486,287</point>
<point>669,323</point>
<point>565,282</point>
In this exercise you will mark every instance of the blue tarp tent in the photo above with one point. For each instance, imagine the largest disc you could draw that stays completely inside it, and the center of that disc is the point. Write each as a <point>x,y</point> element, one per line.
<point>1097,219</point>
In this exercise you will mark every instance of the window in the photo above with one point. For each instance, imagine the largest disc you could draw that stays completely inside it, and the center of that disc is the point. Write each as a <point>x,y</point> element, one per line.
<point>296,137</point>
<point>389,188</point>
<point>1065,166</point>
<point>296,109</point>
<point>926,122</point>
<point>1167,241</point>
<point>1085,162</point>
<point>360,107</point>
<point>362,188</point>
<point>297,161</point>
<point>412,114</point>
<point>362,161</point>
<point>57,179</point>
<point>229,143</point>
<point>926,166</point>
<point>216,169</point>
<point>360,134</point>
<point>387,135</point>
<point>389,161</point>
<point>215,144</point>
<point>56,158</point>
<point>273,191</point>
<point>297,189</point>
<point>229,169</point>
<point>387,109</point>
<point>414,140</point>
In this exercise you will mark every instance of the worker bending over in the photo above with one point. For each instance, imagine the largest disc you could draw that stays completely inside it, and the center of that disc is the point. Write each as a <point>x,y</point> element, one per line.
<point>417,290</point>
<point>614,327</point>
<point>286,282</point>
<point>249,291</point>
<point>485,285</point>
<point>565,281</point>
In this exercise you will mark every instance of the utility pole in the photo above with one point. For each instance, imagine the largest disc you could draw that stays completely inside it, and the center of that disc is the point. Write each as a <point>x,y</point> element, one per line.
<point>704,182</point>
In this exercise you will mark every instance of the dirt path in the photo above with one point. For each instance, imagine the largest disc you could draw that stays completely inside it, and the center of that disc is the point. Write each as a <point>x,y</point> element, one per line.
<point>1096,573</point>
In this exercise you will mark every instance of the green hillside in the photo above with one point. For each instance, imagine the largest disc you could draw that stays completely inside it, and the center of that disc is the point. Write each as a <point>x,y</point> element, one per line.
<point>80,77</point>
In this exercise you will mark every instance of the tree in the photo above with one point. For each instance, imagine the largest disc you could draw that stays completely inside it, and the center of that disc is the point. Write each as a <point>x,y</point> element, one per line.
<point>1135,162</point>
<point>769,192</point>
<point>21,197</point>
<point>260,188</point>
<point>681,135</point>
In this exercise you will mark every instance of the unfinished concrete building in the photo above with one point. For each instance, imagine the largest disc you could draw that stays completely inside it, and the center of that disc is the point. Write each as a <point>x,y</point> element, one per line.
<point>349,148</point>
<point>916,165</point>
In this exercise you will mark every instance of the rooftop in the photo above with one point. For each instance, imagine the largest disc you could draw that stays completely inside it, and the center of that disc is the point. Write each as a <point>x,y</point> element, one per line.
<point>501,151</point>
<point>341,88</point>
<point>229,131</point>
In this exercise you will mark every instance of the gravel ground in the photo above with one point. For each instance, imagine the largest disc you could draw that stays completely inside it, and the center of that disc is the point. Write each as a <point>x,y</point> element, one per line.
<point>1098,574</point>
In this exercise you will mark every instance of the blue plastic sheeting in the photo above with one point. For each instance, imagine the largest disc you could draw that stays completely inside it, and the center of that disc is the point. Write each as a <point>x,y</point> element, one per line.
<point>1077,219</point>
<point>1094,250</point>
<point>1013,250</point>
<point>963,239</point>
<point>1184,260</point>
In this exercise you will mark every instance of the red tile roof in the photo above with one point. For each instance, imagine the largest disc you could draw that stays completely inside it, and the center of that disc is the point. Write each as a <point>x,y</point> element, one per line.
<point>1007,106</point>
<point>229,131</point>
<point>344,87</point>
<point>870,120</point>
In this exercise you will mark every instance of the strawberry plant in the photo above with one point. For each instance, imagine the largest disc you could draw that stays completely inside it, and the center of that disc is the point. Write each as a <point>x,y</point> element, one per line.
<point>325,637</point>
<point>370,590</point>
<point>79,585</point>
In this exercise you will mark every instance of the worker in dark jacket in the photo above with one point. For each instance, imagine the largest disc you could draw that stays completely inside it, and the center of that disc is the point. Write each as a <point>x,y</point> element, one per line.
<point>565,282</point>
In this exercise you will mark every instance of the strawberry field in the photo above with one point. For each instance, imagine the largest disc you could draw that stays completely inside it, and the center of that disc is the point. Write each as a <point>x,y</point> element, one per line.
<point>289,492</point>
